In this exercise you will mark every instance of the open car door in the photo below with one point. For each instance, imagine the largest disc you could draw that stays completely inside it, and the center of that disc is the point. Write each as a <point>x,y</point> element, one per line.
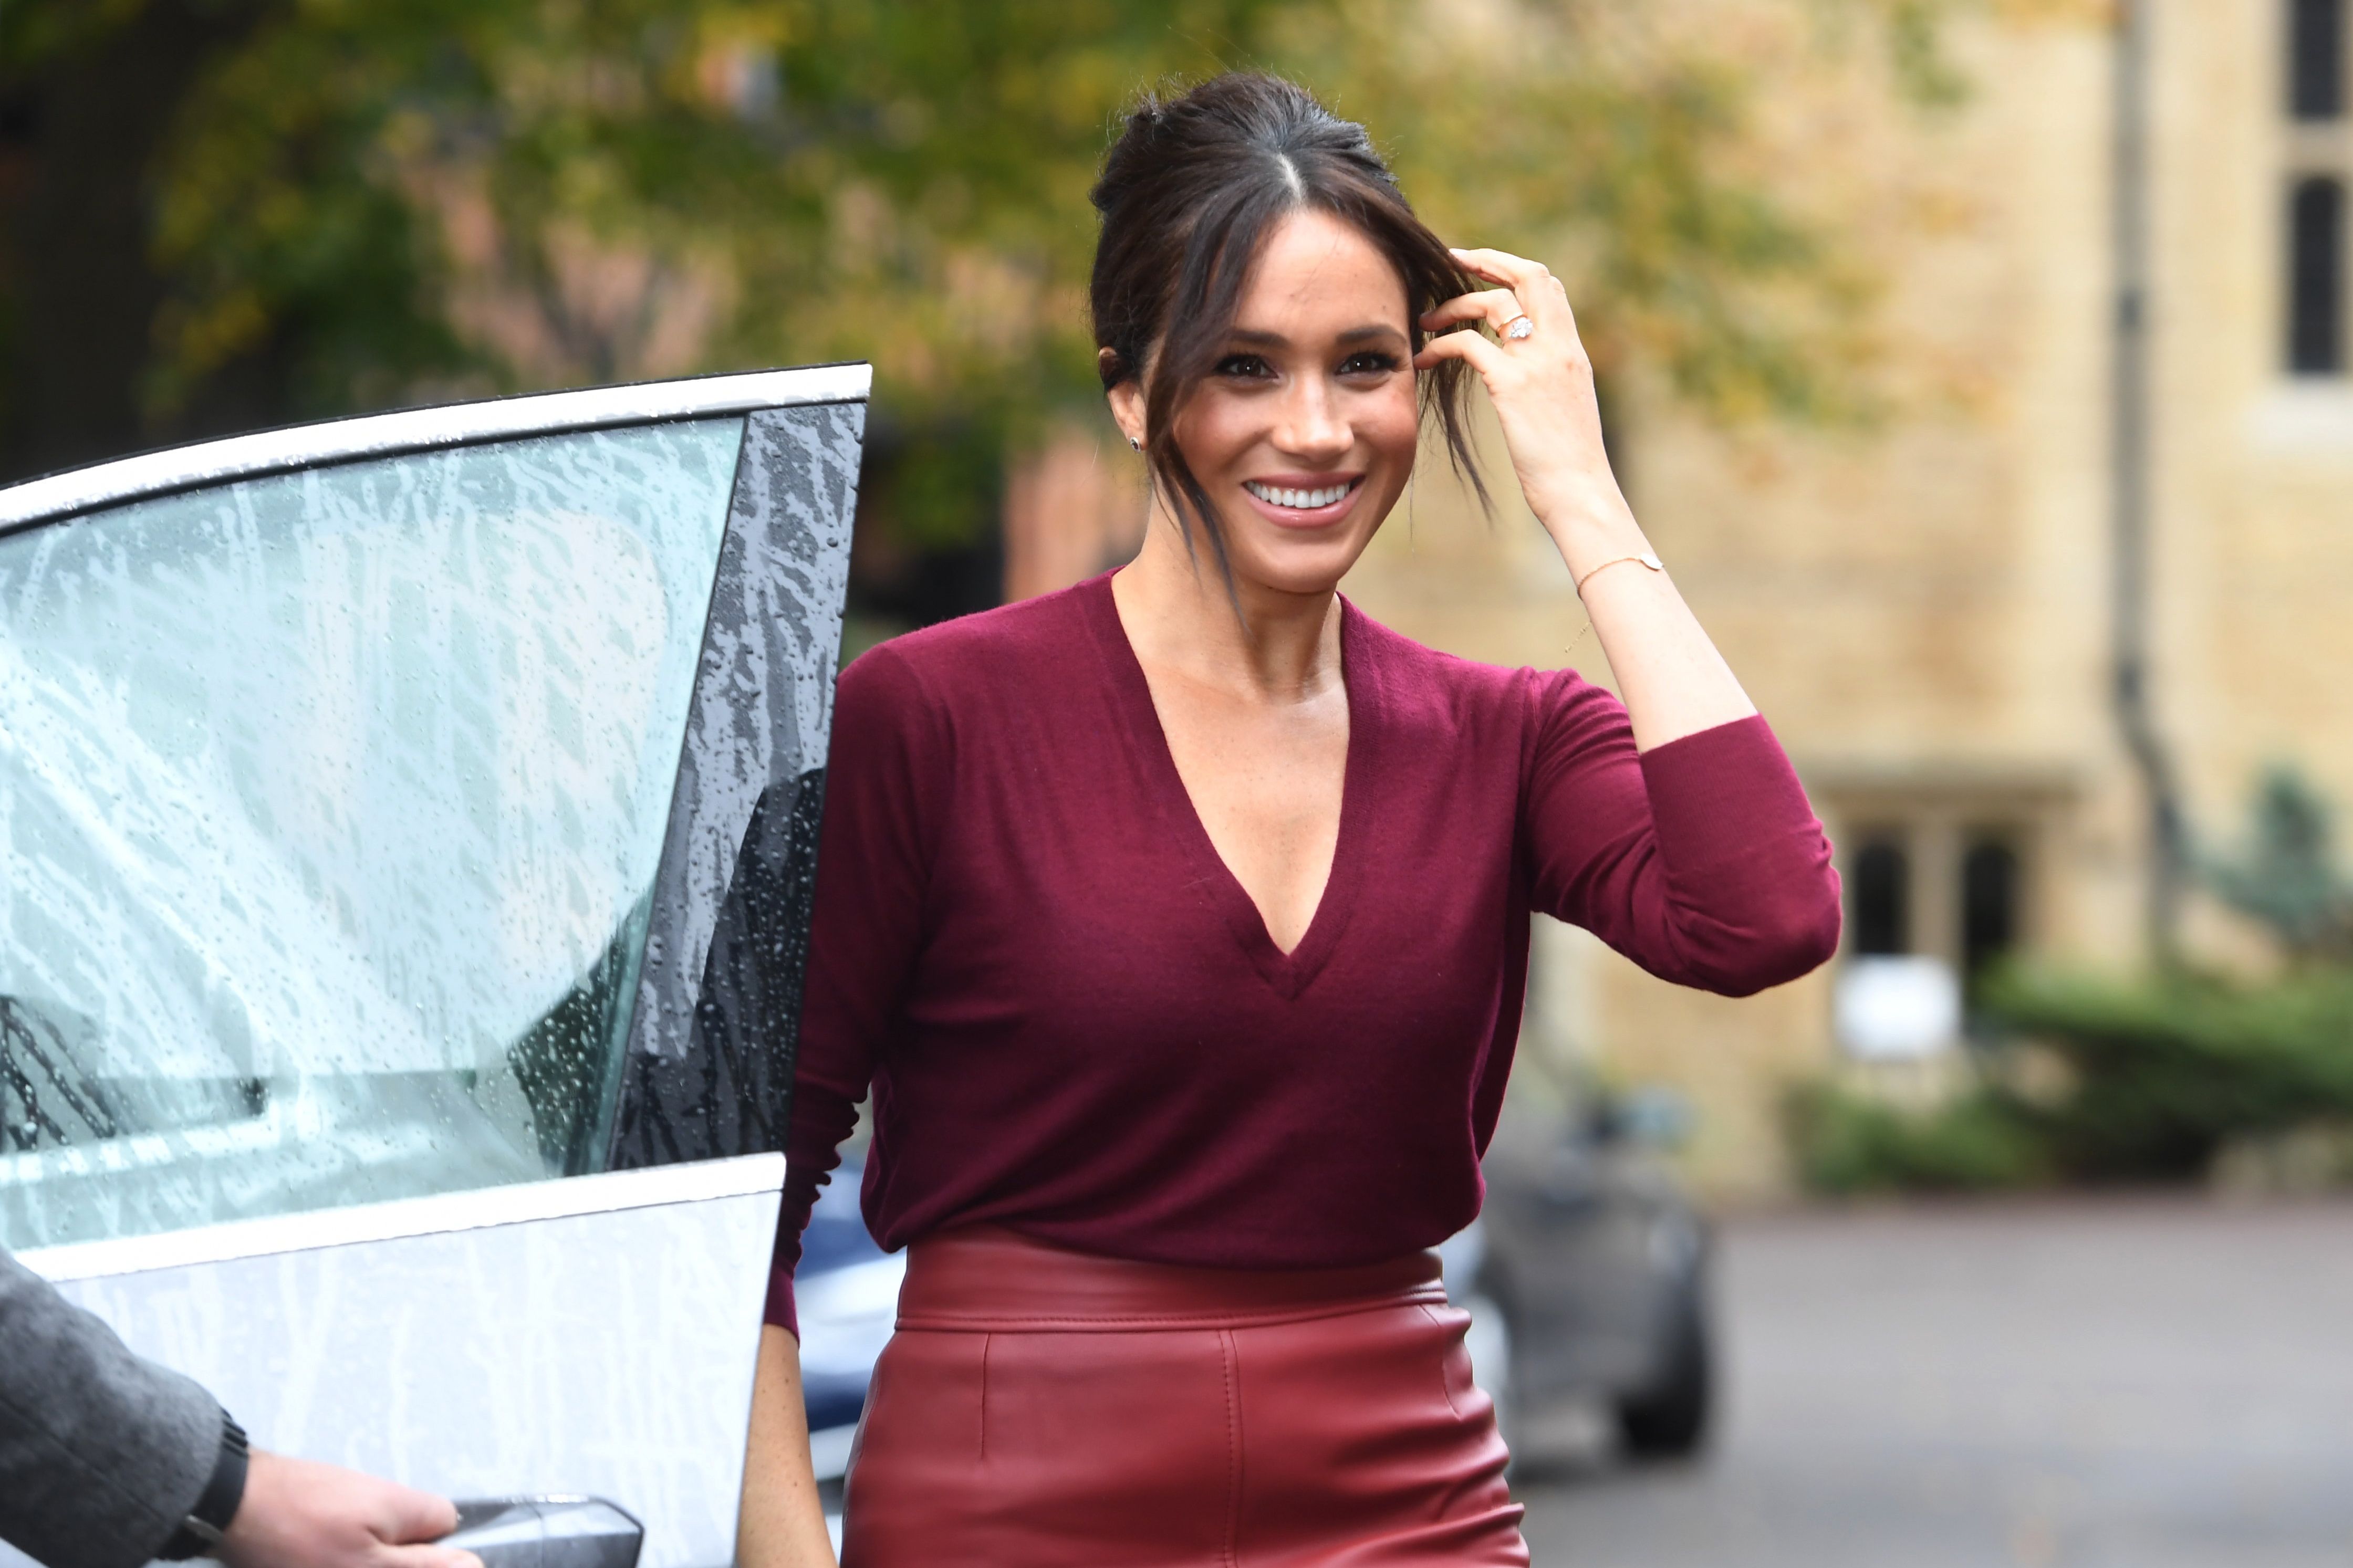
<point>406,834</point>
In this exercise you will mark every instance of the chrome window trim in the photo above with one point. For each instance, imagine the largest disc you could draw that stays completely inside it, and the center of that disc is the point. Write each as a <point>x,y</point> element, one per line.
<point>610,1192</point>
<point>297,447</point>
<point>716,1026</point>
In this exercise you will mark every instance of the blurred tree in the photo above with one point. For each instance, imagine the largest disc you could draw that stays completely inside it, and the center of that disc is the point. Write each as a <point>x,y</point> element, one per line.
<point>224,213</point>
<point>2288,877</point>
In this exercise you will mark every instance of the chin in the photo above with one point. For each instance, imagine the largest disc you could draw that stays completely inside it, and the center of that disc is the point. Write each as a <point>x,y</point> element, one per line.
<point>1291,567</point>
<point>1288,561</point>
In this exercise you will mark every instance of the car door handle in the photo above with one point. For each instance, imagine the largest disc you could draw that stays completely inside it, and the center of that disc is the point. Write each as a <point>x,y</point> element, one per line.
<point>547,1533</point>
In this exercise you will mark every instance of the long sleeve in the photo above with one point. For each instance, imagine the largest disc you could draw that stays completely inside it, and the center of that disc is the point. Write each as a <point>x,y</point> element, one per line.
<point>101,1454</point>
<point>886,763</point>
<point>1701,861</point>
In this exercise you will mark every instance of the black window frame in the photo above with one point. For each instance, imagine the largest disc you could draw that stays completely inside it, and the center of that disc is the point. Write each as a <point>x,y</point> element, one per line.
<point>1879,894</point>
<point>2315,63</point>
<point>2314,279</point>
<point>1991,877</point>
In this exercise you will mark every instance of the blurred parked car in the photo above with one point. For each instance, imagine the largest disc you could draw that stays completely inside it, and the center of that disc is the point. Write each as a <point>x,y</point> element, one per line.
<point>1585,1275</point>
<point>405,827</point>
<point>846,1291</point>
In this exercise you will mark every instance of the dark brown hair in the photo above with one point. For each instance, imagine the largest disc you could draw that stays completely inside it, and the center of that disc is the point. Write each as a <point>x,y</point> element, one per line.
<point>1188,194</point>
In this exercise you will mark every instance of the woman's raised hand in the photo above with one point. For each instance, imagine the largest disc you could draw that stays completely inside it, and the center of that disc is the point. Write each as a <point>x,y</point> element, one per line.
<point>1541,385</point>
<point>1674,681</point>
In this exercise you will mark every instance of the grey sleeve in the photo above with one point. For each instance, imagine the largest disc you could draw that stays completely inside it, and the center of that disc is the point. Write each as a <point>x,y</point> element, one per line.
<point>101,1454</point>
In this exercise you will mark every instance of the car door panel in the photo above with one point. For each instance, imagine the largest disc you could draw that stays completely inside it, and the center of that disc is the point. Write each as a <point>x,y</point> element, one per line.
<point>589,1335</point>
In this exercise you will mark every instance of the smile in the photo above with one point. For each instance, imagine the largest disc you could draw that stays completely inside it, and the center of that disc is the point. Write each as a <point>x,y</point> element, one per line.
<point>1299,500</point>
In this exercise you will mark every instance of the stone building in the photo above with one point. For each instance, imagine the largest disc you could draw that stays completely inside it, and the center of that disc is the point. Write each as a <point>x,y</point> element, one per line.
<point>1924,609</point>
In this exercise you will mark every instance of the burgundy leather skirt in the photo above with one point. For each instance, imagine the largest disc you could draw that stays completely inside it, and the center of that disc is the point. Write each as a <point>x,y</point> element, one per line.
<point>1052,1409</point>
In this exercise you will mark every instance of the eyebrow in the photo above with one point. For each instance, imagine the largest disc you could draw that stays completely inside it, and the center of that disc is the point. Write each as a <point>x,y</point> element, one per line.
<point>1353,335</point>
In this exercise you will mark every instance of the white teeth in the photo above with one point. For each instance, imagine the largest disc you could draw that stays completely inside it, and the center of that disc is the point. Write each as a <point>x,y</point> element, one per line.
<point>1304,501</point>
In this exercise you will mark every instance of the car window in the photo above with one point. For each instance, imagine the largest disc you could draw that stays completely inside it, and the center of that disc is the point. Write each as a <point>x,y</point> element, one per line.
<point>329,805</point>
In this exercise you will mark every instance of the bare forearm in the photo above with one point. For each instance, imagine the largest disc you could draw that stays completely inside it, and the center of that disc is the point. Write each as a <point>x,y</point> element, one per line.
<point>1673,679</point>
<point>782,1524</point>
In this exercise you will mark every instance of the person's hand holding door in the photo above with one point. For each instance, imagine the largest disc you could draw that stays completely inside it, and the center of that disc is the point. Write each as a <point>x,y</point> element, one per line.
<point>301,1514</point>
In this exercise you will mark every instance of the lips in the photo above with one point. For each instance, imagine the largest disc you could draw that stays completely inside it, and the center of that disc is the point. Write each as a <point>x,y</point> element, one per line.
<point>1303,505</point>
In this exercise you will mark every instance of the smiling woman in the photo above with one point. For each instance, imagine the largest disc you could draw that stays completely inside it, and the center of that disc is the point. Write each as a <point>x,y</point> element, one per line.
<point>1178,922</point>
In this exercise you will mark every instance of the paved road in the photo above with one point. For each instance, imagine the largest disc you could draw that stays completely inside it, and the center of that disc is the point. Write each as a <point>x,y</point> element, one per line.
<point>2135,1383</point>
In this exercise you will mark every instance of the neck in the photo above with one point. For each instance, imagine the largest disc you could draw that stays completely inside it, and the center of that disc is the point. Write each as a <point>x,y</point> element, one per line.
<point>1283,646</point>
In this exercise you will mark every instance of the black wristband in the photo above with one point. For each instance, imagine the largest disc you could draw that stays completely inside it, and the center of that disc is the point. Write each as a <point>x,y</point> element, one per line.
<point>206,1524</point>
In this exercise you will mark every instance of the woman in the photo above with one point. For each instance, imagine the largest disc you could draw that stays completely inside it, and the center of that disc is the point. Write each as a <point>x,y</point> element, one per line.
<point>1180,921</point>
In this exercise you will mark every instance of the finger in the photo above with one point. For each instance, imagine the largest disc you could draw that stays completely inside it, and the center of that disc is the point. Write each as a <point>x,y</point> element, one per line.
<point>1481,354</point>
<point>1502,267</point>
<point>1538,291</point>
<point>1492,306</point>
<point>409,1515</point>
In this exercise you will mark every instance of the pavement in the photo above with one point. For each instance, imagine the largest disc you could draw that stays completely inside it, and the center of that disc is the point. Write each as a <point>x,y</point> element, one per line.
<point>2134,1382</point>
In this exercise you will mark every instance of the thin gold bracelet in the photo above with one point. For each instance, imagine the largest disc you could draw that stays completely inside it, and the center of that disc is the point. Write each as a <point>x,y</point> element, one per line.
<point>1648,558</point>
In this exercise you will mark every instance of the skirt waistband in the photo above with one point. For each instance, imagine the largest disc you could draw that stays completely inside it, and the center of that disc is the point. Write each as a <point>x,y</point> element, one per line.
<point>988,1279</point>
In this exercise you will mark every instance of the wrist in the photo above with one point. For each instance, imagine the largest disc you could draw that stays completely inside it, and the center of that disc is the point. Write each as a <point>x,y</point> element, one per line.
<point>206,1524</point>
<point>1587,535</point>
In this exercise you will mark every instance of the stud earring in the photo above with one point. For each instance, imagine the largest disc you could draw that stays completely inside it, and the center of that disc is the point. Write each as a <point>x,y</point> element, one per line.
<point>1135,443</point>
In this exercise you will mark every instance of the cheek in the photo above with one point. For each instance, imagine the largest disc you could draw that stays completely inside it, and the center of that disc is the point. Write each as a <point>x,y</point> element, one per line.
<point>1392,423</point>
<point>1216,430</point>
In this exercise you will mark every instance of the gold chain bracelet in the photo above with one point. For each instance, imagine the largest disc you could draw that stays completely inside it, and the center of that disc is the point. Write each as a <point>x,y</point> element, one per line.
<point>1649,558</point>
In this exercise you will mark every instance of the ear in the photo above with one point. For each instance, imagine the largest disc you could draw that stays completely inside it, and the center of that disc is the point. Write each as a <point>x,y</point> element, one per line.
<point>1126,402</point>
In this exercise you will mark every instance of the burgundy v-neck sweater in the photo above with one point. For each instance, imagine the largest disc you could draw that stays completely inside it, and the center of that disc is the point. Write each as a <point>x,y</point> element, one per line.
<point>1071,1015</point>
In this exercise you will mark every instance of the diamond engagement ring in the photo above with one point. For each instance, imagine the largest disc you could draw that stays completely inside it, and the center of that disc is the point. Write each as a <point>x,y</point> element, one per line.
<point>1517,328</point>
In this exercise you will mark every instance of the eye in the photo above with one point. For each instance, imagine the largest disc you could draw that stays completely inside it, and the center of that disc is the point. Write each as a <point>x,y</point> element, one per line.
<point>1245,367</point>
<point>1372,362</point>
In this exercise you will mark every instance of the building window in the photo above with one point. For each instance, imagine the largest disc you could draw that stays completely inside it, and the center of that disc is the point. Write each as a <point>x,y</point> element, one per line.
<point>2316,282</point>
<point>1989,907</point>
<point>1942,883</point>
<point>2315,58</point>
<point>1882,897</point>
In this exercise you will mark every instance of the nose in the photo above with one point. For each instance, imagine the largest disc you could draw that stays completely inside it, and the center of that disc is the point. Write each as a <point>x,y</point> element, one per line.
<point>1312,428</point>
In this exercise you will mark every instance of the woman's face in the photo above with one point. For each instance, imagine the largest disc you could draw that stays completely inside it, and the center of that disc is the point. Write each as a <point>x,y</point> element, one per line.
<point>1304,434</point>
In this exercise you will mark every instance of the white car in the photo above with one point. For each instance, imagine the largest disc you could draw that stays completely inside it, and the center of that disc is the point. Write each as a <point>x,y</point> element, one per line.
<point>406,826</point>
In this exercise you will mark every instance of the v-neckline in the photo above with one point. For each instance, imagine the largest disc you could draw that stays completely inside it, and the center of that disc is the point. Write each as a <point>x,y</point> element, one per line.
<point>1288,973</point>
